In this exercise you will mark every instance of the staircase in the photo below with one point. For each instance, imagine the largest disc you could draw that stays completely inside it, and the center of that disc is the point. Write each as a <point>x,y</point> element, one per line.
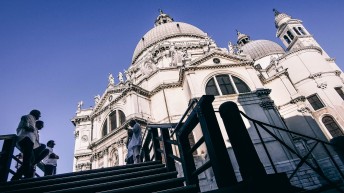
<point>144,177</point>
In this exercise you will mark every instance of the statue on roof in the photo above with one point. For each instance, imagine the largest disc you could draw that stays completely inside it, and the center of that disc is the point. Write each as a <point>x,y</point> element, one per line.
<point>111,79</point>
<point>120,77</point>
<point>230,47</point>
<point>80,104</point>
<point>97,99</point>
<point>127,75</point>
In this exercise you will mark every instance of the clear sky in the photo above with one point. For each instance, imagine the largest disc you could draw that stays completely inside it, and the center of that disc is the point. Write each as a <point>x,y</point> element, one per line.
<point>55,53</point>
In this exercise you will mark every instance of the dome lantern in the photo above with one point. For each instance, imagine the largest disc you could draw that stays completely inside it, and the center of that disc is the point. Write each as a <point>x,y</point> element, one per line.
<point>162,18</point>
<point>242,38</point>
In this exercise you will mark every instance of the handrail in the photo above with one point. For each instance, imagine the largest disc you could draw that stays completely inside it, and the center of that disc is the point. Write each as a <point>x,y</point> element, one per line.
<point>200,112</point>
<point>303,159</point>
<point>180,123</point>
<point>7,156</point>
<point>282,129</point>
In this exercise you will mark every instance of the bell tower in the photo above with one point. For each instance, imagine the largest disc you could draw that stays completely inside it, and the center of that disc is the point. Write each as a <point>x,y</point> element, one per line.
<point>292,32</point>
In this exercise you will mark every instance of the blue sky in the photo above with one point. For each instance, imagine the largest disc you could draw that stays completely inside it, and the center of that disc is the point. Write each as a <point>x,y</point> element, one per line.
<point>54,53</point>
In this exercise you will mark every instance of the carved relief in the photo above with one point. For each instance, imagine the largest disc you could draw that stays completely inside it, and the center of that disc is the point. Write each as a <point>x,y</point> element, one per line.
<point>322,85</point>
<point>298,99</point>
<point>113,159</point>
<point>316,75</point>
<point>304,110</point>
<point>83,166</point>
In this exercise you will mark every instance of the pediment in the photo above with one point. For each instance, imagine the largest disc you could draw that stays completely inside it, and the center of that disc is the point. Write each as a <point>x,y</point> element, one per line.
<point>216,57</point>
<point>108,97</point>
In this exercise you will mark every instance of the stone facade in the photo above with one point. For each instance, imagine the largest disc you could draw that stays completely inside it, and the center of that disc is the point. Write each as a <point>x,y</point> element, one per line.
<point>298,88</point>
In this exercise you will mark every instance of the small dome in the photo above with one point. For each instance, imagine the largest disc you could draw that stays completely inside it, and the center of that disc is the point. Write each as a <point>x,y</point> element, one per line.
<point>165,31</point>
<point>260,48</point>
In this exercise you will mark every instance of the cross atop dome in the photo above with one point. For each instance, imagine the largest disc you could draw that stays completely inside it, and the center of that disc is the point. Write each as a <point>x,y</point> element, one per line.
<point>162,18</point>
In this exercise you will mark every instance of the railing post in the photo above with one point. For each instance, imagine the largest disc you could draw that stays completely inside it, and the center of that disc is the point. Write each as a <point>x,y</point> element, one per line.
<point>167,150</point>
<point>156,144</point>
<point>188,163</point>
<point>216,148</point>
<point>6,157</point>
<point>250,165</point>
<point>145,155</point>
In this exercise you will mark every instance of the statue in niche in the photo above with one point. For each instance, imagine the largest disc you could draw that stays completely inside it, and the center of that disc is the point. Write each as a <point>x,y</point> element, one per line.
<point>174,55</point>
<point>127,75</point>
<point>120,77</point>
<point>97,99</point>
<point>111,79</point>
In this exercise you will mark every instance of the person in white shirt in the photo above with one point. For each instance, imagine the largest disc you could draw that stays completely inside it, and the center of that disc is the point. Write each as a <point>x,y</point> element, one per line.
<point>26,141</point>
<point>50,161</point>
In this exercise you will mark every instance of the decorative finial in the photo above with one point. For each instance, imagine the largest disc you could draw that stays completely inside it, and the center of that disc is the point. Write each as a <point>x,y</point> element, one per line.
<point>275,11</point>
<point>238,33</point>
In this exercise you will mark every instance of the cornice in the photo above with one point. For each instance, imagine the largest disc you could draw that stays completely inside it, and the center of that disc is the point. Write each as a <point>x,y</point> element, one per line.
<point>300,49</point>
<point>318,75</point>
<point>79,119</point>
<point>263,92</point>
<point>279,74</point>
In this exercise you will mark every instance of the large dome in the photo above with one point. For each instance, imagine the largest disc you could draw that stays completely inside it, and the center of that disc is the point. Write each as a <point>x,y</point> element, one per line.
<point>260,48</point>
<point>164,31</point>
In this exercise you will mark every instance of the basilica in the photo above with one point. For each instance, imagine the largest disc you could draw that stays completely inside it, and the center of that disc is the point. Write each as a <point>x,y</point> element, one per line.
<point>297,86</point>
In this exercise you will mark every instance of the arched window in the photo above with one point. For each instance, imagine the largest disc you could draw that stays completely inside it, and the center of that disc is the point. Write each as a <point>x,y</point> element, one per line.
<point>332,126</point>
<point>290,35</point>
<point>115,120</point>
<point>226,84</point>
<point>302,31</point>
<point>105,128</point>
<point>296,31</point>
<point>286,39</point>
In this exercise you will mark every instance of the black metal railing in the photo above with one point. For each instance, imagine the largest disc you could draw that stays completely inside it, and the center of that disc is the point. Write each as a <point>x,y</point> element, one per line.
<point>304,158</point>
<point>158,144</point>
<point>237,133</point>
<point>6,157</point>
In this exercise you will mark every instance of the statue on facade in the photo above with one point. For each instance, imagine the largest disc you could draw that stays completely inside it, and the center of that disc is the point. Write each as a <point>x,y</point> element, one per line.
<point>120,77</point>
<point>80,104</point>
<point>127,75</point>
<point>97,99</point>
<point>111,79</point>
<point>230,48</point>
<point>173,55</point>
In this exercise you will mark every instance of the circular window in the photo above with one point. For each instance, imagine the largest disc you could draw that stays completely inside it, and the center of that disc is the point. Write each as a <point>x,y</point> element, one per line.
<point>216,60</point>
